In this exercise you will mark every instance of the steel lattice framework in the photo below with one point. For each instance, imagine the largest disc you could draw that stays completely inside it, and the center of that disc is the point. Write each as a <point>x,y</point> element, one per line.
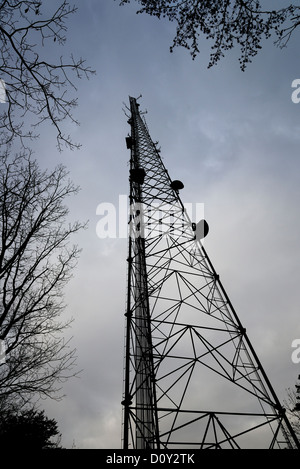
<point>183,337</point>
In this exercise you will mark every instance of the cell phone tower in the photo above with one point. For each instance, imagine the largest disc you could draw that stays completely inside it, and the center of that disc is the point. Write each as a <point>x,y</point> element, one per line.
<point>184,342</point>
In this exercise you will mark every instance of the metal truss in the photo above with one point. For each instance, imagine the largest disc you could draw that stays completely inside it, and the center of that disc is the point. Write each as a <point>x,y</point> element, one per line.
<point>184,341</point>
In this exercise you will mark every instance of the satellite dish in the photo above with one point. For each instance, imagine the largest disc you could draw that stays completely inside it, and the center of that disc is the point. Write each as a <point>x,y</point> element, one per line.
<point>177,185</point>
<point>201,229</point>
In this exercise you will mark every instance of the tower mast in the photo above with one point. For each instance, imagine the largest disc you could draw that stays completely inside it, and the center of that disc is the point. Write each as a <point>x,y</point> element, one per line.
<point>184,340</point>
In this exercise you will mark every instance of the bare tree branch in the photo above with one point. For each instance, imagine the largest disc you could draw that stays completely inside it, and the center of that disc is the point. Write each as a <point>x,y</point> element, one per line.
<point>293,407</point>
<point>34,86</point>
<point>36,262</point>
<point>227,23</point>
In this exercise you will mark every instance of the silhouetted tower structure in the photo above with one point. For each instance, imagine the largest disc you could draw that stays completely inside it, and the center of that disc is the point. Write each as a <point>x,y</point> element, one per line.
<point>184,341</point>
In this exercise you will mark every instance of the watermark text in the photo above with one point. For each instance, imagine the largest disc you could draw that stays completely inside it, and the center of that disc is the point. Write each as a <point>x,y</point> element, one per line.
<point>295,96</point>
<point>296,353</point>
<point>2,352</point>
<point>143,220</point>
<point>2,91</point>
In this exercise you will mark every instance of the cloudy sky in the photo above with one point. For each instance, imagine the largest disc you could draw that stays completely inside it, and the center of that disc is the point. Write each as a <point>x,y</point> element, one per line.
<point>233,138</point>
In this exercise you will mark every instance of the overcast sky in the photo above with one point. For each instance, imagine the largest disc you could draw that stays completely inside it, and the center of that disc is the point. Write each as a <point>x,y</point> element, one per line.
<point>233,139</point>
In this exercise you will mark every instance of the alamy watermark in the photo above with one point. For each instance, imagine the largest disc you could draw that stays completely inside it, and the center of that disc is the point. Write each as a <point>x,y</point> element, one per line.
<point>2,352</point>
<point>296,353</point>
<point>295,96</point>
<point>141,220</point>
<point>2,91</point>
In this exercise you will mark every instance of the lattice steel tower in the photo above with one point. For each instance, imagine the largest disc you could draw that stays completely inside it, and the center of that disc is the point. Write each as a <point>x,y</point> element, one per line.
<point>184,341</point>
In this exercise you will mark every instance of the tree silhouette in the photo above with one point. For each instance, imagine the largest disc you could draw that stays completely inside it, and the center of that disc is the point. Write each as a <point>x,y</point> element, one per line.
<point>293,407</point>
<point>36,262</point>
<point>37,88</point>
<point>28,430</point>
<point>227,23</point>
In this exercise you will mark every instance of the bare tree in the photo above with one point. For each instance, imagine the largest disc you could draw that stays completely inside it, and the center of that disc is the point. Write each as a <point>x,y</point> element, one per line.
<point>36,262</point>
<point>228,23</point>
<point>293,407</point>
<point>36,88</point>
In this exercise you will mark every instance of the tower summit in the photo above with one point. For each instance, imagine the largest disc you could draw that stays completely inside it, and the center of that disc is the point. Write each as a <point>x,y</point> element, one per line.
<point>184,342</point>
